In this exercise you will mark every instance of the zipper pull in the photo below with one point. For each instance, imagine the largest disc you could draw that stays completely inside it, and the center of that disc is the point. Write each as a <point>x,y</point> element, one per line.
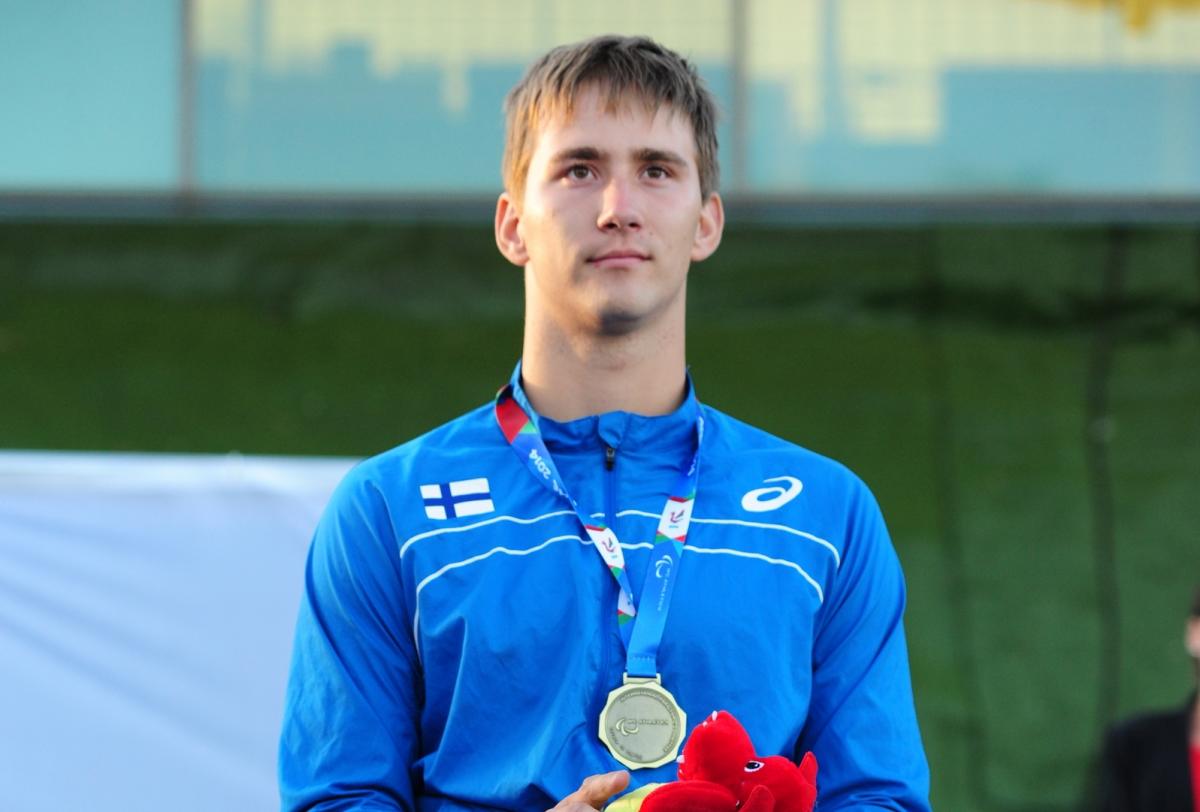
<point>610,457</point>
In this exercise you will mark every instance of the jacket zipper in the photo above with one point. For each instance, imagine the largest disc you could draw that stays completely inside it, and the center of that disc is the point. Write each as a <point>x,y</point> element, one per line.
<point>610,490</point>
<point>610,518</point>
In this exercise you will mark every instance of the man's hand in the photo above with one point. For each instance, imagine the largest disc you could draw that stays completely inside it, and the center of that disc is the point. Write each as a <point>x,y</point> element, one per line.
<point>594,792</point>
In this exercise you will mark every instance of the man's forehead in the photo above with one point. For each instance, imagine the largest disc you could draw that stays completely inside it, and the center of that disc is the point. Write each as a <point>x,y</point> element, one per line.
<point>592,99</point>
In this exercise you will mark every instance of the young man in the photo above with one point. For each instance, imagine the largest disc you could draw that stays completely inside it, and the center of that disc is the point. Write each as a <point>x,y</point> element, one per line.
<point>485,622</point>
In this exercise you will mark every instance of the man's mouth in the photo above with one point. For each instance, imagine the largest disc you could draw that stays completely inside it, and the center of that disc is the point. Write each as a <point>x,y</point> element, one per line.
<point>618,259</point>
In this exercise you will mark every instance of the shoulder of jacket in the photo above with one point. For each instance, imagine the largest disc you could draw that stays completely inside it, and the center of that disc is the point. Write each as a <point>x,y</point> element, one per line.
<point>1150,724</point>
<point>743,444</point>
<point>467,434</point>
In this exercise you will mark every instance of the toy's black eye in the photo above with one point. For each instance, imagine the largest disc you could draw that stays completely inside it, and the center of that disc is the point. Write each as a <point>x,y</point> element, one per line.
<point>753,766</point>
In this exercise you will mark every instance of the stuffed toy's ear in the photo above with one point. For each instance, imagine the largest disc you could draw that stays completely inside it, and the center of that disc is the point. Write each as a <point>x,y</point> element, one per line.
<point>716,751</point>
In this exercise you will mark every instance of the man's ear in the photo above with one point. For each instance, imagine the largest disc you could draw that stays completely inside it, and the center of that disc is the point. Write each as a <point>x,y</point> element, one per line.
<point>709,228</point>
<point>508,235</point>
<point>1191,637</point>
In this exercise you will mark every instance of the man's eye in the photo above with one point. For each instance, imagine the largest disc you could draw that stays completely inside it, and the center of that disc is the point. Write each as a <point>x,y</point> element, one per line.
<point>578,172</point>
<point>656,172</point>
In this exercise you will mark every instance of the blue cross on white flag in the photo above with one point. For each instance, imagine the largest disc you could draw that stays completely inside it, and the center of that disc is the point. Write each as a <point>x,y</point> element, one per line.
<point>449,500</point>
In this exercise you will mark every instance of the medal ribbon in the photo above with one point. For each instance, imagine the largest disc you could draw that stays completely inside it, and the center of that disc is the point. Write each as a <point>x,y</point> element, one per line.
<point>641,627</point>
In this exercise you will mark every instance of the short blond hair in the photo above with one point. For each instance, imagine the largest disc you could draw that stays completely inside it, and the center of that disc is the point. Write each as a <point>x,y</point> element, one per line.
<point>621,67</point>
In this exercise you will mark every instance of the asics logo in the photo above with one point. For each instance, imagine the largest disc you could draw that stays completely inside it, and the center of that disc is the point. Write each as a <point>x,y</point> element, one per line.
<point>760,500</point>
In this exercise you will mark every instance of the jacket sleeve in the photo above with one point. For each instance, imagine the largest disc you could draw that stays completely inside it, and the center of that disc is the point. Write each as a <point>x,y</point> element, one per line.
<point>352,710</point>
<point>1114,791</point>
<point>862,725</point>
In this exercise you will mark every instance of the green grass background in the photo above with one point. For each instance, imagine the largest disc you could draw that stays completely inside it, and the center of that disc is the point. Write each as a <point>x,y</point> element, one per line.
<point>1025,406</point>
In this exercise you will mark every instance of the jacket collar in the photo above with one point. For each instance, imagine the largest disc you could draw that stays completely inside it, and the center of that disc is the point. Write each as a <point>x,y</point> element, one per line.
<point>627,430</point>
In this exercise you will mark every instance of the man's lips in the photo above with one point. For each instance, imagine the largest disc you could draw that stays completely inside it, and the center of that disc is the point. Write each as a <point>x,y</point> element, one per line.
<point>618,259</point>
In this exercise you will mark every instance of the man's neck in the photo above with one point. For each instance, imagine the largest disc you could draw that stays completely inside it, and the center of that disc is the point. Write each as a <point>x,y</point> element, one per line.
<point>569,376</point>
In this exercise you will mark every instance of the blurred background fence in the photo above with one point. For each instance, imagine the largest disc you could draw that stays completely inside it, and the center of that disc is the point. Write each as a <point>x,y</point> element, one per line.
<point>964,258</point>
<point>398,101</point>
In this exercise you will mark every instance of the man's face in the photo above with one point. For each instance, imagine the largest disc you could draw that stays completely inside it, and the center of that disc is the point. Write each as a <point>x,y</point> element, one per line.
<point>611,217</point>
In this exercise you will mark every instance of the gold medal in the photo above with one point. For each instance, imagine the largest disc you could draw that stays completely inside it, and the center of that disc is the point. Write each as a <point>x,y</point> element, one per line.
<point>641,724</point>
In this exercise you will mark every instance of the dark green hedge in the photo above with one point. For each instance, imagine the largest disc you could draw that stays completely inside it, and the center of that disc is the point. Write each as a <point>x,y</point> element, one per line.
<point>1025,402</point>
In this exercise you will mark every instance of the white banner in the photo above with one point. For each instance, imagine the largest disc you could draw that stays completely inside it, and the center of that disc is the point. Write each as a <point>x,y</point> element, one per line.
<point>147,604</point>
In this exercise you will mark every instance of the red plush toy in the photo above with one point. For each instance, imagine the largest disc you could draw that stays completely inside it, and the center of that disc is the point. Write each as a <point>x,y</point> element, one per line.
<point>718,772</point>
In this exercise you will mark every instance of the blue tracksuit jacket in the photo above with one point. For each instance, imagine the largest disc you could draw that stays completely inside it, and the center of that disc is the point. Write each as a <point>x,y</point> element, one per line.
<point>457,638</point>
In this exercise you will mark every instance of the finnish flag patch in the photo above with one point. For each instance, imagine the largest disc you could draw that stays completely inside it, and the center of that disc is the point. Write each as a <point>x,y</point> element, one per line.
<point>449,500</point>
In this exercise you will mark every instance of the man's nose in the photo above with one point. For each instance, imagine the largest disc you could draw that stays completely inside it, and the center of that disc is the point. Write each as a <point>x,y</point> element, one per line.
<point>620,206</point>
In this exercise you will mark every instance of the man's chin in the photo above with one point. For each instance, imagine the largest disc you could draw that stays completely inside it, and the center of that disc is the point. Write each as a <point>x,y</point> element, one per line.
<point>619,322</point>
<point>622,314</point>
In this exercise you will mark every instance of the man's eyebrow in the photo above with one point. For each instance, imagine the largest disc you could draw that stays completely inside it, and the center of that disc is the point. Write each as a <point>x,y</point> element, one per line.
<point>659,156</point>
<point>578,154</point>
<point>643,155</point>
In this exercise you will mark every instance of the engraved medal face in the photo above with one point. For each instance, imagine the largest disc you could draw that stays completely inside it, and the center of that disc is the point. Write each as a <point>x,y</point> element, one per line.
<point>642,725</point>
